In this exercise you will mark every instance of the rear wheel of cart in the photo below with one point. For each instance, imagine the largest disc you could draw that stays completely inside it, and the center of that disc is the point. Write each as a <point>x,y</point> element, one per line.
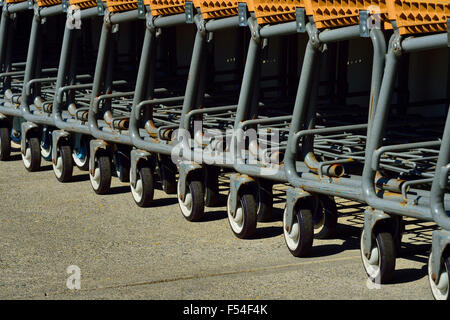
<point>325,218</point>
<point>5,144</point>
<point>46,145</point>
<point>80,155</point>
<point>398,228</point>
<point>265,202</point>
<point>144,190</point>
<point>441,289</point>
<point>380,264</point>
<point>167,173</point>
<point>244,222</point>
<point>100,175</point>
<point>32,154</point>
<point>211,182</point>
<point>63,168</point>
<point>299,239</point>
<point>193,203</point>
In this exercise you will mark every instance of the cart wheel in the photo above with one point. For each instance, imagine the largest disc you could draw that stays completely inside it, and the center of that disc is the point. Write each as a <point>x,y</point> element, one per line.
<point>121,163</point>
<point>325,218</point>
<point>168,172</point>
<point>244,222</point>
<point>144,190</point>
<point>5,144</point>
<point>380,266</point>
<point>193,206</point>
<point>32,157</point>
<point>81,158</point>
<point>100,175</point>
<point>212,193</point>
<point>212,186</point>
<point>441,290</point>
<point>265,204</point>
<point>46,147</point>
<point>300,238</point>
<point>398,228</point>
<point>63,168</point>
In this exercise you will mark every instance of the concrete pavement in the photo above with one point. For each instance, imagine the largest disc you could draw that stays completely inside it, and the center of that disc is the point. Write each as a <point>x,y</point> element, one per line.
<point>126,252</point>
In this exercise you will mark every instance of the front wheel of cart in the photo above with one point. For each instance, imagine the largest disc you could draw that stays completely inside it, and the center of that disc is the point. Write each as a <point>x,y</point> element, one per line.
<point>193,205</point>
<point>441,289</point>
<point>144,190</point>
<point>63,168</point>
<point>325,218</point>
<point>380,264</point>
<point>32,156</point>
<point>299,239</point>
<point>244,221</point>
<point>5,144</point>
<point>100,175</point>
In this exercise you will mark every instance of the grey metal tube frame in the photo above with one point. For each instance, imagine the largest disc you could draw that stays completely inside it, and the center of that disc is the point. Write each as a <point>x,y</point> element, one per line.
<point>63,70</point>
<point>40,14</point>
<point>7,10</point>
<point>407,207</point>
<point>349,188</point>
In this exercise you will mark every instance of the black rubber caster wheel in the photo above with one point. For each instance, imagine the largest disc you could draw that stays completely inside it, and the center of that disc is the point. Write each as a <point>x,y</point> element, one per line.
<point>46,145</point>
<point>265,202</point>
<point>144,190</point>
<point>380,264</point>
<point>80,155</point>
<point>32,155</point>
<point>212,197</point>
<point>299,239</point>
<point>5,144</point>
<point>243,224</point>
<point>168,173</point>
<point>100,175</point>
<point>441,289</point>
<point>325,218</point>
<point>193,205</point>
<point>63,168</point>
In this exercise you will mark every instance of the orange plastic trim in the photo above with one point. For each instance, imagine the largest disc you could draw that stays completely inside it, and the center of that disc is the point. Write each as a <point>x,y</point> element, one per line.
<point>84,4</point>
<point>212,9</point>
<point>419,16</point>
<point>166,7</point>
<point>121,5</point>
<point>274,11</point>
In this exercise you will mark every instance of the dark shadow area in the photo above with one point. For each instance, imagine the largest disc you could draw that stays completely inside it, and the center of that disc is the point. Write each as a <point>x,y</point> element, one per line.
<point>158,186</point>
<point>345,231</point>
<point>415,252</point>
<point>267,232</point>
<point>275,216</point>
<point>80,178</point>
<point>326,250</point>
<point>46,168</point>
<point>119,190</point>
<point>161,202</point>
<point>214,215</point>
<point>15,157</point>
<point>409,275</point>
<point>220,202</point>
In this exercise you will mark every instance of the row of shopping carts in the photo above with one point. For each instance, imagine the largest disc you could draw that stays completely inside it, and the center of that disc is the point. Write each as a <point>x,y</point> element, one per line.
<point>98,85</point>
